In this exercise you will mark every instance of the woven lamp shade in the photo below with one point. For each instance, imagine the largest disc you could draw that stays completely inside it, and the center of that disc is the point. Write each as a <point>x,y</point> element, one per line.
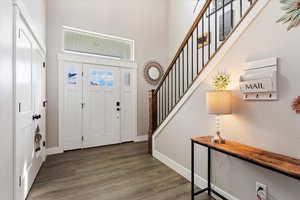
<point>219,102</point>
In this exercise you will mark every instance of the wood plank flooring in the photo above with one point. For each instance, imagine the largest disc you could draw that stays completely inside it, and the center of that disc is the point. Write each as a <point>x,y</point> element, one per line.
<point>118,172</point>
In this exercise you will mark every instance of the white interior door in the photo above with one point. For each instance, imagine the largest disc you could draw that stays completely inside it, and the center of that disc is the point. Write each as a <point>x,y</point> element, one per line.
<point>72,109</point>
<point>28,93</point>
<point>101,113</point>
<point>39,87</point>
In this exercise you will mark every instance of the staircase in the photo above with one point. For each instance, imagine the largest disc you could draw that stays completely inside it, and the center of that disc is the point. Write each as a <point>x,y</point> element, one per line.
<point>202,43</point>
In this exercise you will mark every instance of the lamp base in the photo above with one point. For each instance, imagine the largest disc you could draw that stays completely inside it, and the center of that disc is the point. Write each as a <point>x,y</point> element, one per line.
<point>217,139</point>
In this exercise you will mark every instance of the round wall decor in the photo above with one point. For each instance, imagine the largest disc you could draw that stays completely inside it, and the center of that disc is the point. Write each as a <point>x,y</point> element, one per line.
<point>296,105</point>
<point>153,72</point>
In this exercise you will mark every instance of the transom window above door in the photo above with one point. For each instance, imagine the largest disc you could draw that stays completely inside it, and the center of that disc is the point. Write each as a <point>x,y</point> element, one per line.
<point>91,43</point>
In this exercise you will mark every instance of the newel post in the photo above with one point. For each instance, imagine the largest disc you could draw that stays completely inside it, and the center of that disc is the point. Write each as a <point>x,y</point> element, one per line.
<point>152,117</point>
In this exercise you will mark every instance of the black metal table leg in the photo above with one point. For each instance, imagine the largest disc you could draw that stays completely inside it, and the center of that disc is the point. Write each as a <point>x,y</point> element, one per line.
<point>192,170</point>
<point>209,171</point>
<point>211,192</point>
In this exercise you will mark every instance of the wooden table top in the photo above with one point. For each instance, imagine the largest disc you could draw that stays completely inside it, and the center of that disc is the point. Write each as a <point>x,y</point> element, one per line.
<point>277,162</point>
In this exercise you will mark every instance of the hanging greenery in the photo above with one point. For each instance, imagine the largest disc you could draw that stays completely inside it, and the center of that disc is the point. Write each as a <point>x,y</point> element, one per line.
<point>221,81</point>
<point>292,15</point>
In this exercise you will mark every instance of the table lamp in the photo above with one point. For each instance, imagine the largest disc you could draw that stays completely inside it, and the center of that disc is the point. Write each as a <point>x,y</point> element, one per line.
<point>218,103</point>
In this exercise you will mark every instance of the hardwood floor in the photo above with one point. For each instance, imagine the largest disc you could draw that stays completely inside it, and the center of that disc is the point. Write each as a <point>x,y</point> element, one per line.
<point>118,172</point>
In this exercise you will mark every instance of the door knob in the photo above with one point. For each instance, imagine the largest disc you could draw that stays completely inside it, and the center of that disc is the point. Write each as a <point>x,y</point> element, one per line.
<point>34,117</point>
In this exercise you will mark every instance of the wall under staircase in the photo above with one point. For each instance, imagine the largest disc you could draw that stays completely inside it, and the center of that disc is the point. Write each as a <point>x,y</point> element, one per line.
<point>269,125</point>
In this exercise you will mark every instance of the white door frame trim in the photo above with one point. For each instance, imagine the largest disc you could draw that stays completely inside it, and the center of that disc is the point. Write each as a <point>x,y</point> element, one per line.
<point>26,17</point>
<point>83,59</point>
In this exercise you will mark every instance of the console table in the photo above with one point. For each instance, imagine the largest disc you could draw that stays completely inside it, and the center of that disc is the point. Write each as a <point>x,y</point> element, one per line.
<point>282,164</point>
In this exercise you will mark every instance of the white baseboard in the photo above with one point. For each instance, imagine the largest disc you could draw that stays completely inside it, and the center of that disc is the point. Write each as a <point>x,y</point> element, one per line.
<point>141,138</point>
<point>186,173</point>
<point>58,150</point>
<point>54,150</point>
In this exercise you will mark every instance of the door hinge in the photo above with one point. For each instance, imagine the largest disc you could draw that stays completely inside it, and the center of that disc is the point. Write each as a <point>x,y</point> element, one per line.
<point>44,64</point>
<point>44,103</point>
<point>20,106</point>
<point>20,181</point>
<point>82,138</point>
<point>82,105</point>
<point>44,143</point>
<point>82,74</point>
<point>19,33</point>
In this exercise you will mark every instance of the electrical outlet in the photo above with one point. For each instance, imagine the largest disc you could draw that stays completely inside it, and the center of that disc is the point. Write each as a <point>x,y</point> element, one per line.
<point>261,191</point>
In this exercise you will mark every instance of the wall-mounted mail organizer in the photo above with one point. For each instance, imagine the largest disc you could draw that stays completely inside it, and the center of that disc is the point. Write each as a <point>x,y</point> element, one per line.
<point>259,82</point>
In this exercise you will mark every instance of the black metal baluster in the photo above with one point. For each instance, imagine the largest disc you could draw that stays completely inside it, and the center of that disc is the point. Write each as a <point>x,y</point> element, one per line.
<point>179,78</point>
<point>223,28</point>
<point>165,99</point>
<point>241,8</point>
<point>208,35</point>
<point>197,49</point>
<point>192,57</point>
<point>175,82</point>
<point>162,102</point>
<point>216,27</point>
<point>158,103</point>
<point>231,14</point>
<point>187,64</point>
<point>203,45</point>
<point>158,107</point>
<point>172,77</point>
<point>183,71</point>
<point>168,93</point>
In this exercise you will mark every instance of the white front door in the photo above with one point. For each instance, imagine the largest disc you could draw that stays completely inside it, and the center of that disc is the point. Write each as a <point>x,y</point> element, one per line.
<point>28,91</point>
<point>101,111</point>
<point>98,105</point>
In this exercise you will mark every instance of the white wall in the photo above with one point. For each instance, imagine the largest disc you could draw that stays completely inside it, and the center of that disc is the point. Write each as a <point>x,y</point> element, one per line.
<point>141,20</point>
<point>181,18</point>
<point>268,125</point>
<point>6,99</point>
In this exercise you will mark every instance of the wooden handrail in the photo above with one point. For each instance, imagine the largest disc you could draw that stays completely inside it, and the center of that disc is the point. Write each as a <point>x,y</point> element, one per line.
<point>184,42</point>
